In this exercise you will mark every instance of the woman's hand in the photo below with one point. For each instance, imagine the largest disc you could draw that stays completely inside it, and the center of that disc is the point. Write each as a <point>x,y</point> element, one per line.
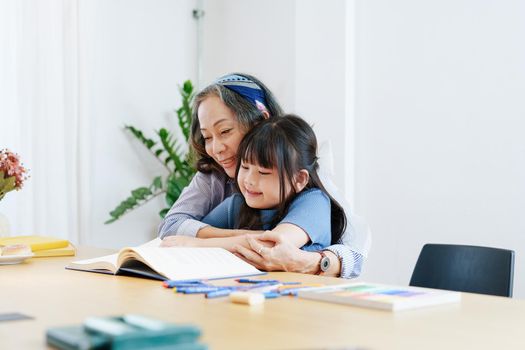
<point>270,252</point>
<point>180,241</point>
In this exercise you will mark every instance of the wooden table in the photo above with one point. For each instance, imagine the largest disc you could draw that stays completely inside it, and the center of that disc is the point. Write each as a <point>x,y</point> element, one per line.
<point>42,288</point>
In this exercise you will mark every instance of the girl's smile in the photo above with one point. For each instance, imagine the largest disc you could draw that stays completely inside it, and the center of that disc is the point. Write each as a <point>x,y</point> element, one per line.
<point>259,186</point>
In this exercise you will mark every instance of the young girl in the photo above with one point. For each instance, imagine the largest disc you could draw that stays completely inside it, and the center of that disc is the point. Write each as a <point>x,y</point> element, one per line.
<point>277,176</point>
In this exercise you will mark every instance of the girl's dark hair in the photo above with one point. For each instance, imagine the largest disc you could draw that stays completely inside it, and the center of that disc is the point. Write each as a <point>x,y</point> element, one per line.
<point>247,114</point>
<point>289,145</point>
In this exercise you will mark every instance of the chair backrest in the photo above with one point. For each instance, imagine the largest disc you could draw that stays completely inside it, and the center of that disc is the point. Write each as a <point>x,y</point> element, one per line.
<point>465,268</point>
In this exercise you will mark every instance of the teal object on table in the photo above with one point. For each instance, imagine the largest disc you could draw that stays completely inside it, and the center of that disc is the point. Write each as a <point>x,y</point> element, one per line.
<point>128,332</point>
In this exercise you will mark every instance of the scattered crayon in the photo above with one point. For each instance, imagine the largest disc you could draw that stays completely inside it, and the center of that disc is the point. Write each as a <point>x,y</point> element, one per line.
<point>219,293</point>
<point>171,284</point>
<point>197,290</point>
<point>271,295</point>
<point>248,280</point>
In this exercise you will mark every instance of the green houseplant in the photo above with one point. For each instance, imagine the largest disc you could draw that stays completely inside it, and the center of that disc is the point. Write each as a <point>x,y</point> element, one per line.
<point>168,151</point>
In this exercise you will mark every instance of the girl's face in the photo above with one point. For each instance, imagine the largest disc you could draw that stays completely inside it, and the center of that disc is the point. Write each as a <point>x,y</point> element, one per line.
<point>260,186</point>
<point>221,131</point>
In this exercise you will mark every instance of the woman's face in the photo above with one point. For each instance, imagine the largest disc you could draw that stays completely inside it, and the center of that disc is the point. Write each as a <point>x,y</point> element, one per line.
<point>221,131</point>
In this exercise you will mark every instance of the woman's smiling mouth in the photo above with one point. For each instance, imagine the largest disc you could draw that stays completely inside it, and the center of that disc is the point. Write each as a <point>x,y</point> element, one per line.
<point>228,163</point>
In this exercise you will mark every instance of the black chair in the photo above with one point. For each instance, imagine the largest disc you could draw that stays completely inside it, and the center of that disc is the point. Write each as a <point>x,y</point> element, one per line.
<point>465,268</point>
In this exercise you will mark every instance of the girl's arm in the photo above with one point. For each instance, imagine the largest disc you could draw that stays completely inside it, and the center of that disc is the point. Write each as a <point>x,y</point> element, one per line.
<point>215,232</point>
<point>224,216</point>
<point>294,236</point>
<point>228,243</point>
<point>291,233</point>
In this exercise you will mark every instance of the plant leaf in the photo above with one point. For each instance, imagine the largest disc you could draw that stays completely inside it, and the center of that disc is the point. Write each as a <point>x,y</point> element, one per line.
<point>141,193</point>
<point>163,212</point>
<point>149,143</point>
<point>169,154</point>
<point>157,183</point>
<point>184,113</point>
<point>7,184</point>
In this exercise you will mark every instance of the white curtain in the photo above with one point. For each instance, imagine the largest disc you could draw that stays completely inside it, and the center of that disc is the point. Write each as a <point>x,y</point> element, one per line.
<point>39,116</point>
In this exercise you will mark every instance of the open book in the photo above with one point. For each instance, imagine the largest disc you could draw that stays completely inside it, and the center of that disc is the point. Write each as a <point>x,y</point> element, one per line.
<point>380,296</point>
<point>172,263</point>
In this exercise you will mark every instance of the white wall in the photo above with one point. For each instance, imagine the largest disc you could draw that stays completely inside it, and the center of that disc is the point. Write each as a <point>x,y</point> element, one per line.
<point>253,37</point>
<point>440,122</point>
<point>297,48</point>
<point>320,76</point>
<point>133,56</point>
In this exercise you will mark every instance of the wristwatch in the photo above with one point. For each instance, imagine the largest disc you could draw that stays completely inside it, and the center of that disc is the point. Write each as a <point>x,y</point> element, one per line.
<point>324,263</point>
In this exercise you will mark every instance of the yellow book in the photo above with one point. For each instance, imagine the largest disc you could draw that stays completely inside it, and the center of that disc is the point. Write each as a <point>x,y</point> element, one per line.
<point>36,242</point>
<point>66,251</point>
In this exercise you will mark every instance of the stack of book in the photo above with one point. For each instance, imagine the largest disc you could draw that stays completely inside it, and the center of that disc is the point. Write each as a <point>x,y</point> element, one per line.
<point>42,246</point>
<point>380,296</point>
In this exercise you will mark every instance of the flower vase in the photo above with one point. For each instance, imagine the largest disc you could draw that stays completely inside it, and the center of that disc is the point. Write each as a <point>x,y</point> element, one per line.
<point>4,226</point>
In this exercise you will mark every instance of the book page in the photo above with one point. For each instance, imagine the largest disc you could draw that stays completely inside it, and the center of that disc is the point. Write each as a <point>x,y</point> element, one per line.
<point>107,262</point>
<point>178,263</point>
<point>113,259</point>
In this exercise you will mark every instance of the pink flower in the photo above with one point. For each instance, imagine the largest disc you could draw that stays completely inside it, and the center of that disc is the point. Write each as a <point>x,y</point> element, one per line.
<point>10,165</point>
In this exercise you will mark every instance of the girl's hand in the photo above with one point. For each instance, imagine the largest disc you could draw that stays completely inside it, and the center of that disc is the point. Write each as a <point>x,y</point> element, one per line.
<point>181,241</point>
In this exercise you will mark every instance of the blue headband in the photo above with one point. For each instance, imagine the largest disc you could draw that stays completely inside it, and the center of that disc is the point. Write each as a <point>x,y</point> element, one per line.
<point>246,88</point>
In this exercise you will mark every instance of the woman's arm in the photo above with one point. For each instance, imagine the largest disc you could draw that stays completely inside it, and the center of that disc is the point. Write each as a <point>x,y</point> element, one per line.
<point>284,256</point>
<point>204,192</point>
<point>218,224</point>
<point>223,218</point>
<point>186,217</point>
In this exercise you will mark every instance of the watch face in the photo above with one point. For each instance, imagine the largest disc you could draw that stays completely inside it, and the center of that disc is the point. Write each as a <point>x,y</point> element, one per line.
<point>325,263</point>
